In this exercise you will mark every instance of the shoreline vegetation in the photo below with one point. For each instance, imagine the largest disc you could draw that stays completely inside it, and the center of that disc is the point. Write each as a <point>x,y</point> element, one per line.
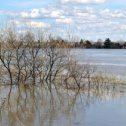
<point>62,43</point>
<point>107,44</point>
<point>86,44</point>
<point>25,61</point>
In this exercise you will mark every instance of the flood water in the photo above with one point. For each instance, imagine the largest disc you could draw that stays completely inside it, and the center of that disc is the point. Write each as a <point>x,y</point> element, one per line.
<point>112,61</point>
<point>36,106</point>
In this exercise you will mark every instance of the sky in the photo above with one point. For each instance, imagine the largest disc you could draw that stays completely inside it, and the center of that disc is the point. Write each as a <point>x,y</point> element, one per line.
<point>87,19</point>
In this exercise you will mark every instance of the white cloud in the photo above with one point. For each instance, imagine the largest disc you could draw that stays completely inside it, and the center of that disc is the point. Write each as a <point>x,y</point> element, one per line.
<point>107,13</point>
<point>33,24</point>
<point>34,13</point>
<point>65,20</point>
<point>42,12</point>
<point>83,1</point>
<point>86,16</point>
<point>55,13</point>
<point>37,24</point>
<point>24,14</point>
<point>123,26</point>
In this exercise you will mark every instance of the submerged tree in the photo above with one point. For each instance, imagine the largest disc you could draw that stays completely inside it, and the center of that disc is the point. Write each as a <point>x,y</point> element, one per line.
<point>28,61</point>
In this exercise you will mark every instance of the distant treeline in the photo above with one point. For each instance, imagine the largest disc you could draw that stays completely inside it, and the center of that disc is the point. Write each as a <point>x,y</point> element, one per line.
<point>107,44</point>
<point>63,43</point>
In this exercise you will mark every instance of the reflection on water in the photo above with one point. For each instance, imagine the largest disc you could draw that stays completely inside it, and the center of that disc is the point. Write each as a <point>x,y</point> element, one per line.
<point>36,106</point>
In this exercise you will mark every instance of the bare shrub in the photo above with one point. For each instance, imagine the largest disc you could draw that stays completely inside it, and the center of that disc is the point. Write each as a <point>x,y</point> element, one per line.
<point>30,61</point>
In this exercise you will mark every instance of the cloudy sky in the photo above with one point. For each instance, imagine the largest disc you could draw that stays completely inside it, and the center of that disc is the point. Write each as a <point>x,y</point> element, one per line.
<point>88,19</point>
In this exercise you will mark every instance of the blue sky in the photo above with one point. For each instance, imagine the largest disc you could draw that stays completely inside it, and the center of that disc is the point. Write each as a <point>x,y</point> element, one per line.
<point>87,19</point>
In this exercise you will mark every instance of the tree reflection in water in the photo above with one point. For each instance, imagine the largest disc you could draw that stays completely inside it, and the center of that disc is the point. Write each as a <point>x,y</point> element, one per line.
<point>36,106</point>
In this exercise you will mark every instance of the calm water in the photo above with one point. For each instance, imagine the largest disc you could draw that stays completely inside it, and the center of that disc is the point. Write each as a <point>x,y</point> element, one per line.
<point>106,60</point>
<point>37,107</point>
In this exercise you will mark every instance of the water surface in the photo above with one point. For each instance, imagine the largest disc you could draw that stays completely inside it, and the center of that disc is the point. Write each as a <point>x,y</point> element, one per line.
<point>112,61</point>
<point>37,107</point>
